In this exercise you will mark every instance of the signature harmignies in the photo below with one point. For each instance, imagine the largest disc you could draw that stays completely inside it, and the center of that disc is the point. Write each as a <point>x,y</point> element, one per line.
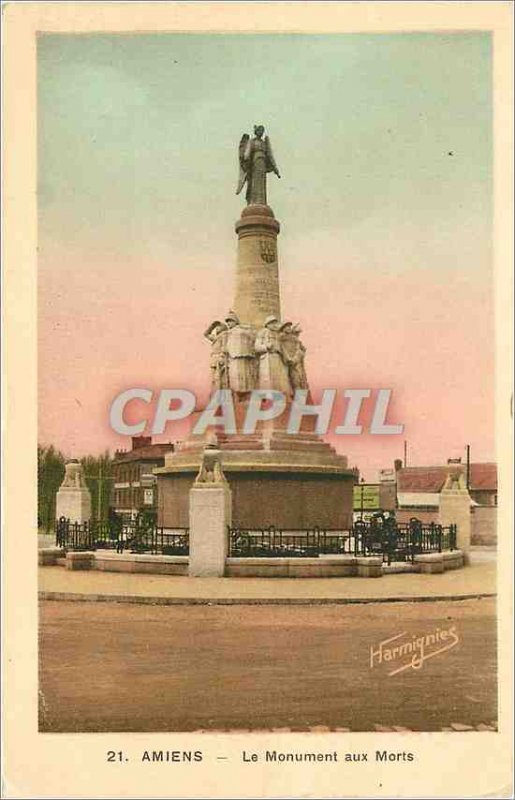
<point>411,651</point>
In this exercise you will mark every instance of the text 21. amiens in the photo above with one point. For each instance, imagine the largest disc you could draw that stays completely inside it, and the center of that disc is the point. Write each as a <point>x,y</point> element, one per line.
<point>163,756</point>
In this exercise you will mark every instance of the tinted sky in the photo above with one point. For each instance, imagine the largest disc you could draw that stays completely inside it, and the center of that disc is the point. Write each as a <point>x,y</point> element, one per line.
<point>384,147</point>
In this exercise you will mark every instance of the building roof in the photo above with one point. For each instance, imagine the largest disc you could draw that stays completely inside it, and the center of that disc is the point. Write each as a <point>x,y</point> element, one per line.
<point>148,453</point>
<point>483,476</point>
<point>431,479</point>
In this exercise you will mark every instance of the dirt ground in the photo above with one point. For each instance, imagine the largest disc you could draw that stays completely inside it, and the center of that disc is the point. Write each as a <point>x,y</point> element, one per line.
<point>116,667</point>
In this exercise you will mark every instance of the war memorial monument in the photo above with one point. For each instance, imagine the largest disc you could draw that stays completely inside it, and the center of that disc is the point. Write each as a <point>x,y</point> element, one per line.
<point>294,481</point>
<point>226,490</point>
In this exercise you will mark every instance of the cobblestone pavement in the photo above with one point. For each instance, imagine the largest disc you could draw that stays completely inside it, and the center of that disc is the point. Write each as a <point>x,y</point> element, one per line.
<point>455,727</point>
<point>119,667</point>
<point>477,579</point>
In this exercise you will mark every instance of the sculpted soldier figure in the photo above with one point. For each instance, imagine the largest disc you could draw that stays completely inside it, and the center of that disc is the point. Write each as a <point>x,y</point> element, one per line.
<point>273,372</point>
<point>295,353</point>
<point>241,354</point>
<point>256,159</point>
<point>216,335</point>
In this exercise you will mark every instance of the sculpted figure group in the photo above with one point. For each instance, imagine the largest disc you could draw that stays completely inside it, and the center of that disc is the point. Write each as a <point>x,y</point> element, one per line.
<point>243,359</point>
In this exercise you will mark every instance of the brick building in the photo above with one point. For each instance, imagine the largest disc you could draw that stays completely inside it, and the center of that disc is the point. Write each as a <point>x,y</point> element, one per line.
<point>418,495</point>
<point>134,487</point>
<point>418,488</point>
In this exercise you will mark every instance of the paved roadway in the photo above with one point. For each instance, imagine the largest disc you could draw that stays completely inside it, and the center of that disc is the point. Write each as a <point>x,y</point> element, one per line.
<point>115,667</point>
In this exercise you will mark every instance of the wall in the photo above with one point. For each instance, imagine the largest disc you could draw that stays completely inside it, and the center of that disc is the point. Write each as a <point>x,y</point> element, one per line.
<point>483,497</point>
<point>484,525</point>
<point>388,495</point>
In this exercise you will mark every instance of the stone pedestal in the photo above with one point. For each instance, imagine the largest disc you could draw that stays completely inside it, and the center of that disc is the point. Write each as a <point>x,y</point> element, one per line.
<point>455,509</point>
<point>73,498</point>
<point>209,518</point>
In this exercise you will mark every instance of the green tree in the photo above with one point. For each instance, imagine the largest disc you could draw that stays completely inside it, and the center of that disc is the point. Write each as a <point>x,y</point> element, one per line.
<point>50,476</point>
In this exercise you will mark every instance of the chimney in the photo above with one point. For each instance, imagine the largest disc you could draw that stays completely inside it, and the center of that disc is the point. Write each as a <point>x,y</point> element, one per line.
<point>141,441</point>
<point>397,464</point>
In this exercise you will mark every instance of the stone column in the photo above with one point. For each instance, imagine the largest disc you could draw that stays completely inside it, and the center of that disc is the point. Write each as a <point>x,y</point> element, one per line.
<point>210,516</point>
<point>73,498</point>
<point>257,273</point>
<point>455,509</point>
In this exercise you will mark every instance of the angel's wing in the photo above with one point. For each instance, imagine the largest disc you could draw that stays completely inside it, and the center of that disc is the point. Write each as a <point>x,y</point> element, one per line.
<point>242,156</point>
<point>243,147</point>
<point>271,165</point>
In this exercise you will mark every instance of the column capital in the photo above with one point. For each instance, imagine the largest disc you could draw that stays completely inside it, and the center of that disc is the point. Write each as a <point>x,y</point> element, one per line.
<point>256,218</point>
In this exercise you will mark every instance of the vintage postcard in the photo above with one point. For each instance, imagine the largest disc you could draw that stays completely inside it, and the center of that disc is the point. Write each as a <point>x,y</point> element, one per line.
<point>258,399</point>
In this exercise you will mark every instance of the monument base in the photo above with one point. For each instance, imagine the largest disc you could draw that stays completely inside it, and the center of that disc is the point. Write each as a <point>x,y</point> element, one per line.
<point>292,481</point>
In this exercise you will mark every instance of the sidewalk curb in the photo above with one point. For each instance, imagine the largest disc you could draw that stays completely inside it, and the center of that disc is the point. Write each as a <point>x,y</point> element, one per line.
<point>248,601</point>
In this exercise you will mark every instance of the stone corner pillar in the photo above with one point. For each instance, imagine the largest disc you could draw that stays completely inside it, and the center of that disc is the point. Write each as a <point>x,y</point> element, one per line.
<point>455,509</point>
<point>210,515</point>
<point>73,499</point>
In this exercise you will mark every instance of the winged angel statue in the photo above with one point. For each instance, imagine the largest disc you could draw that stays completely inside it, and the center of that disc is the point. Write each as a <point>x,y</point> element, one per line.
<point>256,159</point>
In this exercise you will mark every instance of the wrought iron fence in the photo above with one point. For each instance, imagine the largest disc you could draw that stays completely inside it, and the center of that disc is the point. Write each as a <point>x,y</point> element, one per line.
<point>136,536</point>
<point>383,537</point>
<point>274,542</point>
